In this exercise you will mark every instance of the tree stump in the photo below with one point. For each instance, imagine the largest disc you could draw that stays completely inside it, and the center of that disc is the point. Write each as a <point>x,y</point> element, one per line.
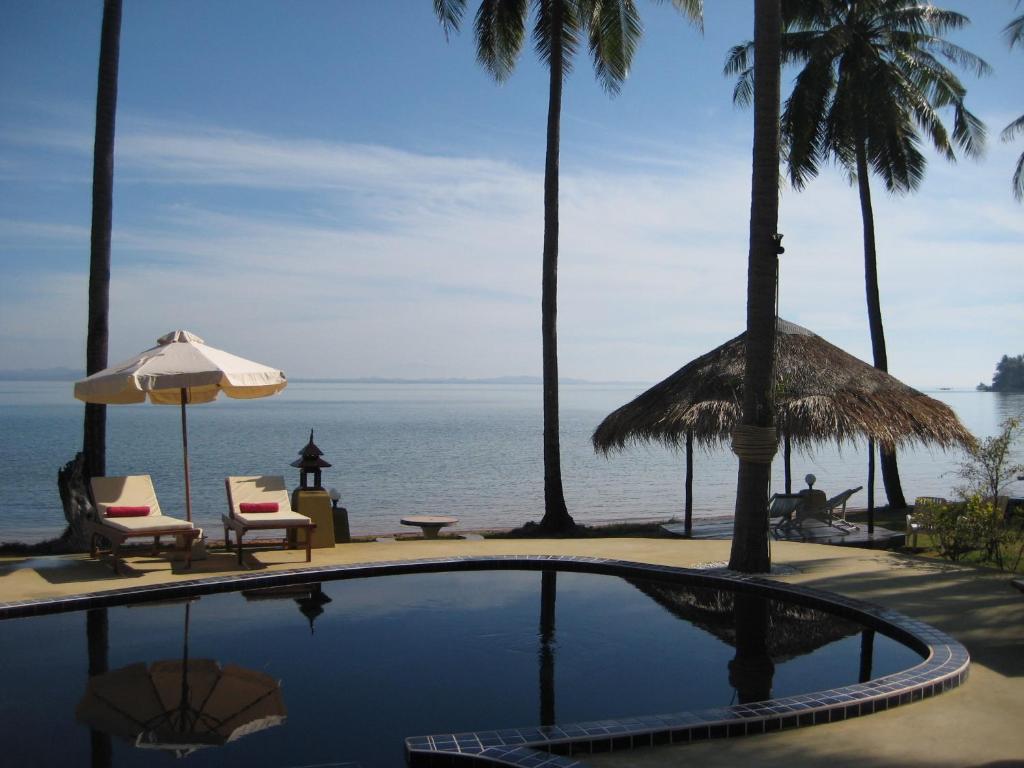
<point>73,487</point>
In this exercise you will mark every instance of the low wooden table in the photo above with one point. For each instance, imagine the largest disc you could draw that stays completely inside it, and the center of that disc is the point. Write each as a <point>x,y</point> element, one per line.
<point>430,524</point>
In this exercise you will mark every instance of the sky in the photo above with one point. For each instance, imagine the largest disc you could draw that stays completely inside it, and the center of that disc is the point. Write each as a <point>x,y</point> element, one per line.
<point>335,189</point>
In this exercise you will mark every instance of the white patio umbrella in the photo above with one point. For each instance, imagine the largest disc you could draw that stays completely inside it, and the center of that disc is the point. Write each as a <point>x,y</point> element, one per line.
<point>180,369</point>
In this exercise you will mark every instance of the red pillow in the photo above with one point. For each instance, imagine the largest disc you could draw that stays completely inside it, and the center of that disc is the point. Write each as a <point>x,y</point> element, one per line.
<point>249,507</point>
<point>127,511</point>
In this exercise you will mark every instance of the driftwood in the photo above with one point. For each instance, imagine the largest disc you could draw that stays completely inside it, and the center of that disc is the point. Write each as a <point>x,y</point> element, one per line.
<point>74,496</point>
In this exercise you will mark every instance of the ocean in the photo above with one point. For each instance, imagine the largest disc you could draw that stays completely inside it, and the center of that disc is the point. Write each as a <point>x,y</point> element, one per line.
<point>469,450</point>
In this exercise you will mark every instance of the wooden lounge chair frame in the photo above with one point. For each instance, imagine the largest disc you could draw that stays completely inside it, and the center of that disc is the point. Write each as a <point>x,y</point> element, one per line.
<point>839,500</point>
<point>105,493</point>
<point>263,488</point>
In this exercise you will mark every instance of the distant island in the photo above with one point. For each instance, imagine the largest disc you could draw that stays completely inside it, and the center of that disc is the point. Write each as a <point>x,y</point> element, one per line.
<point>1009,376</point>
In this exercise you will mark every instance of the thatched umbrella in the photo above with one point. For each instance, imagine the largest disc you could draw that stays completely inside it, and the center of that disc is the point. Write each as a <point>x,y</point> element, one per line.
<point>794,630</point>
<point>822,394</point>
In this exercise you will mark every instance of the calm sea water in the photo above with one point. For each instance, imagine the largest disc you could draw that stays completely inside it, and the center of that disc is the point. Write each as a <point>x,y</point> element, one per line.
<point>473,451</point>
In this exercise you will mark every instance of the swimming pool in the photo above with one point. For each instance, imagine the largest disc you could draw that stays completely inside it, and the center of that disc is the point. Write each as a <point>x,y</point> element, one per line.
<point>495,655</point>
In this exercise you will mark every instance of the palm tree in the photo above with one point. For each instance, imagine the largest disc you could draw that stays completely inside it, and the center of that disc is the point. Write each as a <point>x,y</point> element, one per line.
<point>73,479</point>
<point>94,441</point>
<point>750,537</point>
<point>873,80</point>
<point>1014,32</point>
<point>613,29</point>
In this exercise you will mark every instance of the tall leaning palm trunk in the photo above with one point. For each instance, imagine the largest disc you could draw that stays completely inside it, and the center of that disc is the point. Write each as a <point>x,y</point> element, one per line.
<point>73,478</point>
<point>887,455</point>
<point>94,442</point>
<point>754,441</point>
<point>556,514</point>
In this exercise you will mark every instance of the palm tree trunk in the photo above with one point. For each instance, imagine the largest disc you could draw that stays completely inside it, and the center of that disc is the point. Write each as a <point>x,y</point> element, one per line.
<point>556,516</point>
<point>94,439</point>
<point>890,470</point>
<point>750,538</point>
<point>73,479</point>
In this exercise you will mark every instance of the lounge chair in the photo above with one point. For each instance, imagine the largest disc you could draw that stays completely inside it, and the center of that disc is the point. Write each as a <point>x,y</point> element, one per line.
<point>127,508</point>
<point>915,522</point>
<point>839,500</point>
<point>783,506</point>
<point>261,503</point>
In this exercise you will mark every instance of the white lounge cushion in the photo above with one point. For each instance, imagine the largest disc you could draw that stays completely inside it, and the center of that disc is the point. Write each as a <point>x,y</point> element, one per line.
<point>132,491</point>
<point>272,519</point>
<point>148,524</point>
<point>263,489</point>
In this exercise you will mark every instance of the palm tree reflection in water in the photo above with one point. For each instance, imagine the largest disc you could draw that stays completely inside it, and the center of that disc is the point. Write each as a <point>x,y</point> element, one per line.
<point>752,670</point>
<point>97,638</point>
<point>546,655</point>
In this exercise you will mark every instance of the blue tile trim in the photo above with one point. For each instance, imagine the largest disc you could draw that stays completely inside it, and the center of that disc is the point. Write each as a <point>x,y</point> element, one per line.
<point>945,664</point>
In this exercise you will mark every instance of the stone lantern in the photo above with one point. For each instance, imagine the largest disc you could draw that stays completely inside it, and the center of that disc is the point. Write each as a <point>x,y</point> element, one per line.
<point>310,463</point>
<point>310,498</point>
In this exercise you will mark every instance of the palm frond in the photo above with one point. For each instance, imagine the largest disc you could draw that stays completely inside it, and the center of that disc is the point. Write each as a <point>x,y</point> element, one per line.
<point>692,9</point>
<point>1008,134</point>
<point>614,30</point>
<point>546,28</point>
<point>500,31</point>
<point>449,13</point>
<point>1014,31</point>
<point>804,128</point>
<point>740,61</point>
<point>1018,178</point>
<point>1010,131</point>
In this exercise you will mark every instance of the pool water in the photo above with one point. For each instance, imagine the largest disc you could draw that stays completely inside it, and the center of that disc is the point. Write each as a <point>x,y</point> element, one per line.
<point>364,663</point>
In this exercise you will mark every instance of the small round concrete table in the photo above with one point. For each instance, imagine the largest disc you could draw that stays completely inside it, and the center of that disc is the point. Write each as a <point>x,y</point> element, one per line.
<point>430,524</point>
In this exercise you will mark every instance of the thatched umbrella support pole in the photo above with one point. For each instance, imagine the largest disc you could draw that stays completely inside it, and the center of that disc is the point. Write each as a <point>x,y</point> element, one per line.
<point>786,455</point>
<point>871,486</point>
<point>688,518</point>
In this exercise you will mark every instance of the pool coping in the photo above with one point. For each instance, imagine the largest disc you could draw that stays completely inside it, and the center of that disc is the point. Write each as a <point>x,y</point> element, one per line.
<point>944,667</point>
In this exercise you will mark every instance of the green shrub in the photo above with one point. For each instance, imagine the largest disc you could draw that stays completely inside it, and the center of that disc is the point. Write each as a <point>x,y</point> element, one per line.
<point>954,531</point>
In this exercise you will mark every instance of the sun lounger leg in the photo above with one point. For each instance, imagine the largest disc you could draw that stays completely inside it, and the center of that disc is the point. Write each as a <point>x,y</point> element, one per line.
<point>238,539</point>
<point>309,544</point>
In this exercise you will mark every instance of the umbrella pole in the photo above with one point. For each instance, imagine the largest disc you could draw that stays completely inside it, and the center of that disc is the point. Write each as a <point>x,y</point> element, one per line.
<point>184,450</point>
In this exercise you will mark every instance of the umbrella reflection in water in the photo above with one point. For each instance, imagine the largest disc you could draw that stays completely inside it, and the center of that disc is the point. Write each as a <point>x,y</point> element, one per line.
<point>181,705</point>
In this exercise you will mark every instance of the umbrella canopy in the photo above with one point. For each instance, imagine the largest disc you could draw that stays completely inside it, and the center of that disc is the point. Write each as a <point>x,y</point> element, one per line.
<point>181,706</point>
<point>180,362</point>
<point>822,393</point>
<point>180,369</point>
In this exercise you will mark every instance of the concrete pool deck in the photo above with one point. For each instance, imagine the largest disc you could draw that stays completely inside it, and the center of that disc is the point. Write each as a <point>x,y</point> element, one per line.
<point>977,724</point>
